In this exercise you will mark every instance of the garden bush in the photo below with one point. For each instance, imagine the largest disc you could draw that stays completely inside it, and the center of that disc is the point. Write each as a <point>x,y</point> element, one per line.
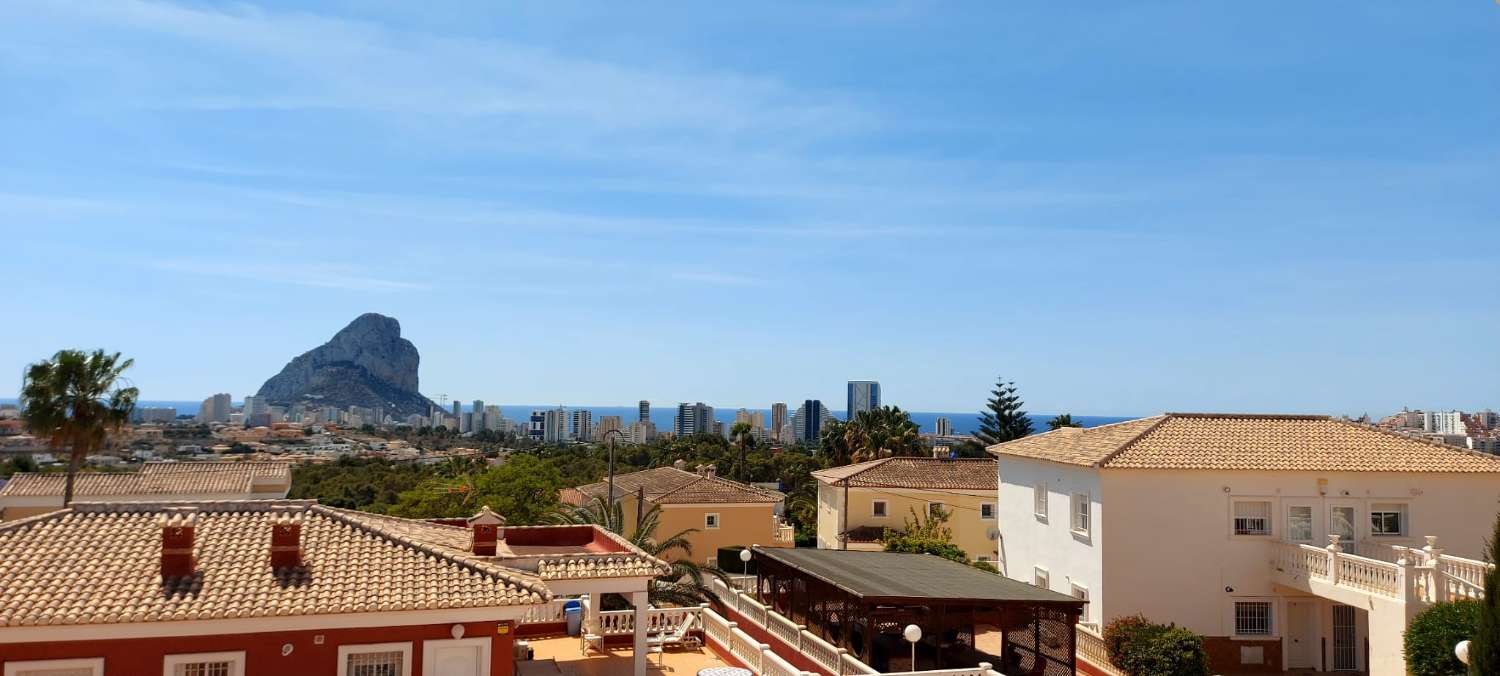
<point>1434,632</point>
<point>1140,647</point>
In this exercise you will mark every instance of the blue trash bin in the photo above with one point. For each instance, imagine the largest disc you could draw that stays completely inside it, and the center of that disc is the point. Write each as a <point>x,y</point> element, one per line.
<point>573,611</point>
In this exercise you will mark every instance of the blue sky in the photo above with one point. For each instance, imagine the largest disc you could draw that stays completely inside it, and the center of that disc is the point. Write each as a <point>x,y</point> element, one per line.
<point>1125,207</point>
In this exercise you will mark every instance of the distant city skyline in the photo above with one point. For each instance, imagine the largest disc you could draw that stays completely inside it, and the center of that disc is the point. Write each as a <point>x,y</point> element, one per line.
<point>1124,208</point>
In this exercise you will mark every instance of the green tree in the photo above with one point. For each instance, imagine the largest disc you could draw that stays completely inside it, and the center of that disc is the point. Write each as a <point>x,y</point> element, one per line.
<point>1431,636</point>
<point>1484,647</point>
<point>930,535</point>
<point>884,432</point>
<point>1003,418</point>
<point>743,441</point>
<point>523,489</point>
<point>1061,421</point>
<point>685,585</point>
<point>73,401</point>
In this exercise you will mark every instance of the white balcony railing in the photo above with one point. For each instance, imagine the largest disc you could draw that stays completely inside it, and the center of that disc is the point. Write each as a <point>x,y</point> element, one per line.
<point>1090,646</point>
<point>1425,575</point>
<point>795,639</point>
<point>785,533</point>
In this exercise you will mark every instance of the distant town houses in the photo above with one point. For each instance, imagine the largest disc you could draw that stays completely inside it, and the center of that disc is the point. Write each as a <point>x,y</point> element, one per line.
<point>1476,431</point>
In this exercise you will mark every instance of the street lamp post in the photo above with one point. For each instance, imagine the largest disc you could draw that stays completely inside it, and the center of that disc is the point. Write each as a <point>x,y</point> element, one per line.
<point>745,559</point>
<point>611,464</point>
<point>912,633</point>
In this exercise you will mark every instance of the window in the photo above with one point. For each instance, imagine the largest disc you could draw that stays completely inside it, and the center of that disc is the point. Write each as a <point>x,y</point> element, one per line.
<point>1252,517</point>
<point>91,666</point>
<point>878,508</point>
<point>711,520</point>
<point>205,664</point>
<point>986,510</point>
<point>1039,500</point>
<point>1081,593</point>
<point>1040,577</point>
<point>935,507</point>
<point>1252,618</point>
<point>1341,522</point>
<point>1299,523</point>
<point>1387,519</point>
<point>1081,513</point>
<point>375,659</point>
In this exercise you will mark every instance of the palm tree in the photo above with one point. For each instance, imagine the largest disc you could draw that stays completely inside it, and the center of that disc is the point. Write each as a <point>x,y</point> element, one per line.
<point>1061,421</point>
<point>685,585</point>
<point>740,433</point>
<point>73,401</point>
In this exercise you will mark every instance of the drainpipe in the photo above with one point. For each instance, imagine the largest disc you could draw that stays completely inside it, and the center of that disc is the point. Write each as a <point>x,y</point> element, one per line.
<point>844,529</point>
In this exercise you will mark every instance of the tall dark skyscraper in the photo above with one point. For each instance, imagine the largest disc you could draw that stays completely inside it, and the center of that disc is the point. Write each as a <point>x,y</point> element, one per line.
<point>864,395</point>
<point>645,410</point>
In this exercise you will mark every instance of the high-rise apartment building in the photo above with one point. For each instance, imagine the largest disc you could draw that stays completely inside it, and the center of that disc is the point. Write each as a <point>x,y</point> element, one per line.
<point>693,419</point>
<point>555,425</point>
<point>809,420</point>
<point>1443,422</point>
<point>477,421</point>
<point>216,409</point>
<point>458,409</point>
<point>537,426</point>
<point>581,428</point>
<point>645,407</point>
<point>944,427</point>
<point>778,420</point>
<point>610,426</point>
<point>641,431</point>
<point>864,395</point>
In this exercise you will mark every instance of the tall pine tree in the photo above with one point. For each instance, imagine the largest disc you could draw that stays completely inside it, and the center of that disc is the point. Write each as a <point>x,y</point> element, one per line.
<point>1003,418</point>
<point>1484,648</point>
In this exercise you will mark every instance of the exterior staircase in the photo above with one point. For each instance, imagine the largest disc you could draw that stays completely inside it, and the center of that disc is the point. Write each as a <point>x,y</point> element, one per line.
<point>1391,583</point>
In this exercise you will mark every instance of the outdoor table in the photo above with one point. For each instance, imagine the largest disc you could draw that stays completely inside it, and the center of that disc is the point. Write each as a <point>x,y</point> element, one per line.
<point>724,671</point>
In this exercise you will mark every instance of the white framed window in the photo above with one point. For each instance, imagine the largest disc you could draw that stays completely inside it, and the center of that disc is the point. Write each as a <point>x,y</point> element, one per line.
<point>1252,517</point>
<point>88,666</point>
<point>986,510</point>
<point>1252,618</point>
<point>711,520</point>
<point>878,509</point>
<point>1081,593</point>
<point>1387,519</point>
<point>1299,523</point>
<point>1039,500</point>
<point>375,659</point>
<point>1081,513</point>
<point>935,507</point>
<point>1041,578</point>
<point>204,664</point>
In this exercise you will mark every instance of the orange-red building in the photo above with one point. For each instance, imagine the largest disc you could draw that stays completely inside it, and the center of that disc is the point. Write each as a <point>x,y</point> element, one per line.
<point>288,587</point>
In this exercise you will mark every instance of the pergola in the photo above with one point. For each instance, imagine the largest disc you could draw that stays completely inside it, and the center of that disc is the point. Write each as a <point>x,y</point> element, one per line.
<point>861,601</point>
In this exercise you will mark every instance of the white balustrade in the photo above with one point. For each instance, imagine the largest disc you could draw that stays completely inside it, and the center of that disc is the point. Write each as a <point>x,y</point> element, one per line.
<point>849,665</point>
<point>1376,577</point>
<point>746,649</point>
<point>616,622</point>
<point>551,611</point>
<point>1090,645</point>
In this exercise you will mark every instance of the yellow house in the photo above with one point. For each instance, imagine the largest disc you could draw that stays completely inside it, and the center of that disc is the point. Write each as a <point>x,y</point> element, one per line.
<point>858,502</point>
<point>725,513</point>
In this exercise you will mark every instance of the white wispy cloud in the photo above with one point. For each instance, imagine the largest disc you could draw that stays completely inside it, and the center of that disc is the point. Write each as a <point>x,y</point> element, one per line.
<point>318,275</point>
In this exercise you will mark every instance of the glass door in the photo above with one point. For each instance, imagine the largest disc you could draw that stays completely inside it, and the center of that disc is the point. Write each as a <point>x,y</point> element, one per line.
<point>1342,521</point>
<point>1299,523</point>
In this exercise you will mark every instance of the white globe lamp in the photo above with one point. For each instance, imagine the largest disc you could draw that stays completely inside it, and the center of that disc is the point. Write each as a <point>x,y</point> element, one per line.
<point>1461,651</point>
<point>912,633</point>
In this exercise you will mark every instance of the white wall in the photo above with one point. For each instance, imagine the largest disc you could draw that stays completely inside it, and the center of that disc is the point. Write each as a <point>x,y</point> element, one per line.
<point>1170,551</point>
<point>1027,541</point>
<point>830,504</point>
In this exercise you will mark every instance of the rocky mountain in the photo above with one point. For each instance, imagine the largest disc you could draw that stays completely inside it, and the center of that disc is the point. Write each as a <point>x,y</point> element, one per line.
<point>367,364</point>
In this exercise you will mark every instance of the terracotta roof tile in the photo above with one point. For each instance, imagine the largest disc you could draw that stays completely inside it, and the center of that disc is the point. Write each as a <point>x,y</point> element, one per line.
<point>667,485</point>
<point>979,474</point>
<point>154,478</point>
<point>1247,442</point>
<point>100,563</point>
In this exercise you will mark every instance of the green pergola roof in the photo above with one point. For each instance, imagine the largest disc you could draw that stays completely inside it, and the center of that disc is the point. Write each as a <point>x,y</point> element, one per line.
<point>891,575</point>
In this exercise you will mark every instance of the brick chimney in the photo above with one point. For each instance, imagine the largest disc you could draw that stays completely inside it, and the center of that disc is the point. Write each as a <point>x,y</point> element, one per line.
<point>286,540</point>
<point>487,529</point>
<point>707,469</point>
<point>941,452</point>
<point>177,527</point>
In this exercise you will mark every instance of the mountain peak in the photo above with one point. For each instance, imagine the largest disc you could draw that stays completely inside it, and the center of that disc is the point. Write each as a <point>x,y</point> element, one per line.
<point>367,363</point>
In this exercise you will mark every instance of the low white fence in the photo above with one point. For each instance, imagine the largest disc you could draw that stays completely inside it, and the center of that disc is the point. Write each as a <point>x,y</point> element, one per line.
<point>1090,646</point>
<point>1424,575</point>
<point>796,639</point>
<point>551,611</point>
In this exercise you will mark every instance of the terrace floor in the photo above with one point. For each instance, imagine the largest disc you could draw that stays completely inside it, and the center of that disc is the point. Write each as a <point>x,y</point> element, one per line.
<point>618,661</point>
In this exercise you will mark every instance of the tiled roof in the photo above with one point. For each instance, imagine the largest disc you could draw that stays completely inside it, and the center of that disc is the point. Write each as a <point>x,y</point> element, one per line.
<point>1246,442</point>
<point>667,485</point>
<point>978,474</point>
<point>154,478</point>
<point>98,563</point>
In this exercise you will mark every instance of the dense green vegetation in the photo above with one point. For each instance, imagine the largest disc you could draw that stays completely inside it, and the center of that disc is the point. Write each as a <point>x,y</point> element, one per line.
<point>1484,646</point>
<point>1432,635</point>
<point>523,486</point>
<point>1140,647</point>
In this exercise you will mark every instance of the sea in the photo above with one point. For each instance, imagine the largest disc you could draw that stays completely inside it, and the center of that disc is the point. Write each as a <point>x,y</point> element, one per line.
<point>963,423</point>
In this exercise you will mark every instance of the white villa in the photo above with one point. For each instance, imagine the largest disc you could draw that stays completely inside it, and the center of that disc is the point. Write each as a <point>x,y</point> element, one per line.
<point>1291,542</point>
